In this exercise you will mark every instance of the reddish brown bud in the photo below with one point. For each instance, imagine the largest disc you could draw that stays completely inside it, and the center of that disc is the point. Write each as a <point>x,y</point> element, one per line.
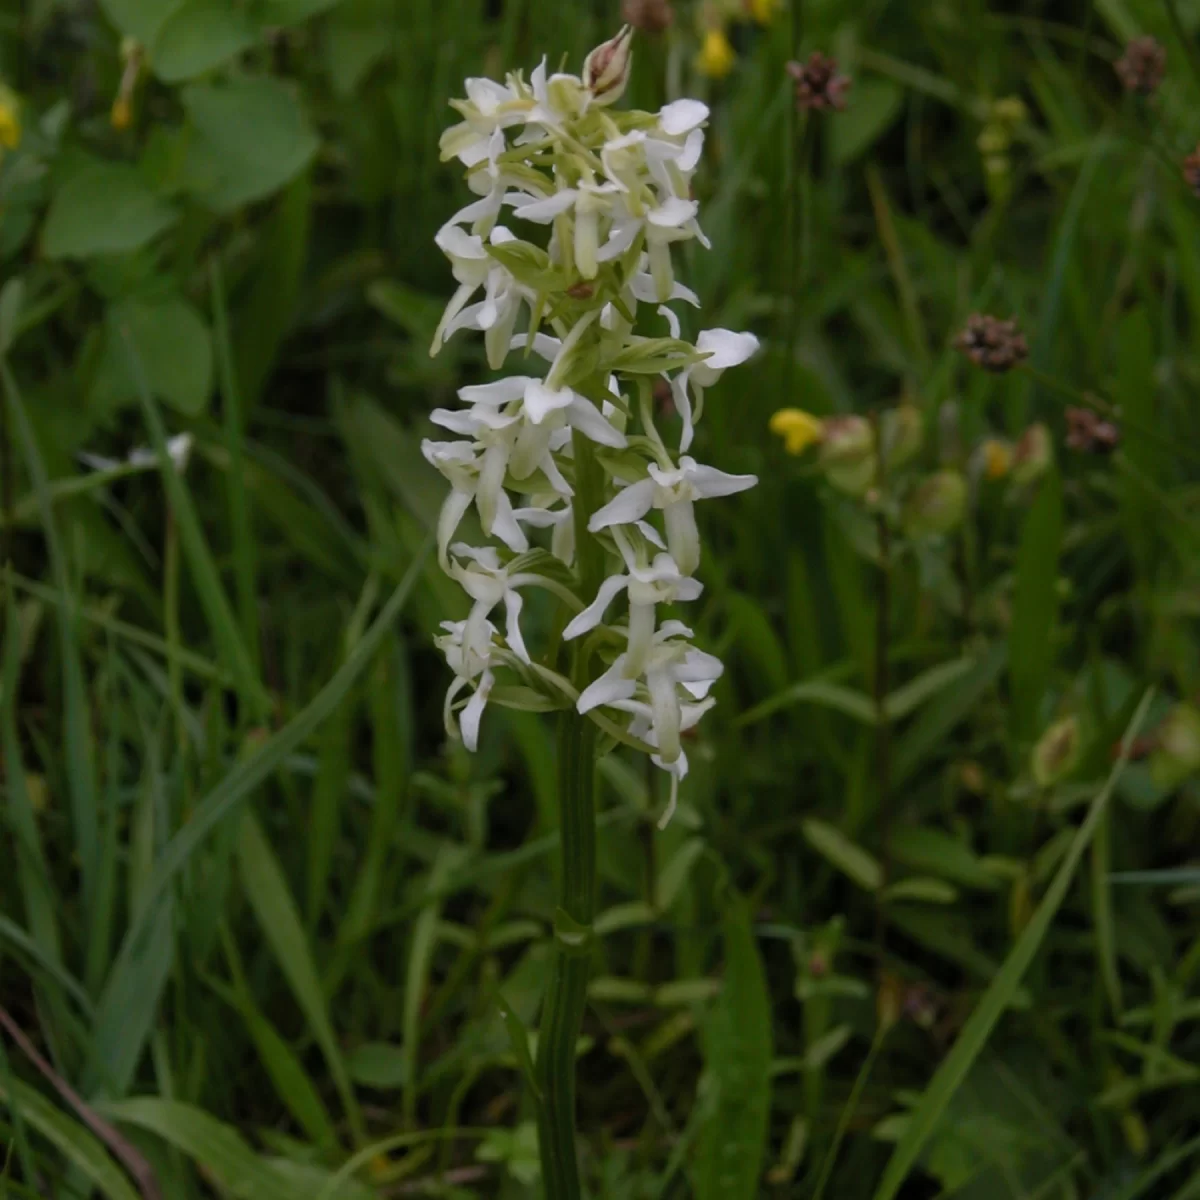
<point>991,343</point>
<point>1090,434</point>
<point>818,83</point>
<point>1191,170</point>
<point>1141,68</point>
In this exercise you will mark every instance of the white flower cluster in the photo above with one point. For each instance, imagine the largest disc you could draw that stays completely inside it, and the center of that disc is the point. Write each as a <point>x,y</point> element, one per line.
<point>575,449</point>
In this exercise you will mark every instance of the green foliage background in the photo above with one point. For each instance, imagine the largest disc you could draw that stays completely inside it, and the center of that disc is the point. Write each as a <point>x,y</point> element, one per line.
<point>264,933</point>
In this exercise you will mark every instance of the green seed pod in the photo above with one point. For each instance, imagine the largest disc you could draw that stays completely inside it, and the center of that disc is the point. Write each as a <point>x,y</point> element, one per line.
<point>1178,752</point>
<point>848,454</point>
<point>1057,753</point>
<point>937,505</point>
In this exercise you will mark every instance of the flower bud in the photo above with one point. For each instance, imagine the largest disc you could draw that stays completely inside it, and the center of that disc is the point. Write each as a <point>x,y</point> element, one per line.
<point>10,120</point>
<point>848,453</point>
<point>606,69</point>
<point>1178,752</point>
<point>1033,455</point>
<point>937,505</point>
<point>902,430</point>
<point>799,429</point>
<point>1057,752</point>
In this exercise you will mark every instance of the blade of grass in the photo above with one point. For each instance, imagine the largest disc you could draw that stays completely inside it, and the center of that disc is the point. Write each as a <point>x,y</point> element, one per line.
<point>200,558</point>
<point>974,1036</point>
<point>78,741</point>
<point>235,788</point>
<point>239,508</point>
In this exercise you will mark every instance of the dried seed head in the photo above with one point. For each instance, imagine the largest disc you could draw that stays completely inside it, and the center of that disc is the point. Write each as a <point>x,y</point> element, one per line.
<point>1191,170</point>
<point>991,343</point>
<point>818,83</point>
<point>650,16</point>
<point>1142,66</point>
<point>1089,433</point>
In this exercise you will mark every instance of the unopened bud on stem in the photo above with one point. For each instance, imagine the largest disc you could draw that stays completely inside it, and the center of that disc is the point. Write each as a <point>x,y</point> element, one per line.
<point>606,69</point>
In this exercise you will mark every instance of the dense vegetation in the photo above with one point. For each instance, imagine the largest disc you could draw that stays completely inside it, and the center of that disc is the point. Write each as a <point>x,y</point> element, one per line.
<point>925,922</point>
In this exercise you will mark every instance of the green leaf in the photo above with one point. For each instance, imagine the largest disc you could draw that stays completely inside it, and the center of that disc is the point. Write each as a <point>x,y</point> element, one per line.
<point>216,1146</point>
<point>103,209</point>
<point>974,1036</point>
<point>139,19</point>
<point>267,890</point>
<point>905,700</point>
<point>197,37</point>
<point>816,691</point>
<point>173,343</point>
<point>291,12</point>
<point>874,105</point>
<point>925,891</point>
<point>378,1065</point>
<point>737,1059</point>
<point>253,137</point>
<point>353,45</point>
<point>937,853</point>
<point>12,296</point>
<point>1035,607</point>
<point>518,1036</point>
<point>852,860</point>
<point>76,1143</point>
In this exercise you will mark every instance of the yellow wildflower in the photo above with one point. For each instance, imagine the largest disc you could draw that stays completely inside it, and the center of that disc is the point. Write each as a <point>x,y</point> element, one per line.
<point>716,57</point>
<point>997,458</point>
<point>763,10</point>
<point>799,429</point>
<point>10,119</point>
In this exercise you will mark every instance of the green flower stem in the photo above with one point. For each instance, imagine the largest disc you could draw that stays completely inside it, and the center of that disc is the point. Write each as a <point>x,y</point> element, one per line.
<point>562,1011</point>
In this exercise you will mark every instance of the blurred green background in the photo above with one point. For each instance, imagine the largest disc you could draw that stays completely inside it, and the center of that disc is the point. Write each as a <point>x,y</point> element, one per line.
<point>920,928</point>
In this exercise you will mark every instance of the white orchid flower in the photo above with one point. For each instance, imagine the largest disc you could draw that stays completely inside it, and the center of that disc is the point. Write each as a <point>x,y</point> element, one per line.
<point>647,584</point>
<point>589,202</point>
<point>488,108</point>
<point>471,664</point>
<point>674,493</point>
<point>489,583</point>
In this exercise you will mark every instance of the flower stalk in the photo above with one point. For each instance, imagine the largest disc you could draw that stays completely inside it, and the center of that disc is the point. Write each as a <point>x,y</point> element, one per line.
<point>576,489</point>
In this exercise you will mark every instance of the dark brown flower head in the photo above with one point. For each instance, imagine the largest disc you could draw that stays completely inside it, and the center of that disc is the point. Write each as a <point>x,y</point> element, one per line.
<point>1191,170</point>
<point>1090,434</point>
<point>1141,68</point>
<point>818,84</point>
<point>650,16</point>
<point>991,343</point>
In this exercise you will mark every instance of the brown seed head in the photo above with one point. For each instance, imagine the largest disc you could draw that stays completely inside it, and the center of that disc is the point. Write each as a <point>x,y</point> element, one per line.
<point>991,343</point>
<point>650,16</point>
<point>818,83</point>
<point>1090,434</point>
<point>1191,170</point>
<point>1140,69</point>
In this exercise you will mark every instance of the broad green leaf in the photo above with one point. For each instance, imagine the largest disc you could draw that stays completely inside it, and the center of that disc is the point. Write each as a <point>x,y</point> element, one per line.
<point>12,297</point>
<point>1035,607</point>
<point>76,1143</point>
<point>253,137</point>
<point>139,19</point>
<point>200,35</point>
<point>266,889</point>
<point>103,209</point>
<point>874,105</point>
<point>978,1029</point>
<point>173,343</point>
<point>737,1061</point>
<point>353,45</point>
<point>851,859</point>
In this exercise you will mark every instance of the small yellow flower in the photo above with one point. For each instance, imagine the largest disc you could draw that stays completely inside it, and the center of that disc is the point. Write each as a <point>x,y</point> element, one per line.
<point>10,119</point>
<point>716,57</point>
<point>1010,111</point>
<point>763,10</point>
<point>997,458</point>
<point>799,429</point>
